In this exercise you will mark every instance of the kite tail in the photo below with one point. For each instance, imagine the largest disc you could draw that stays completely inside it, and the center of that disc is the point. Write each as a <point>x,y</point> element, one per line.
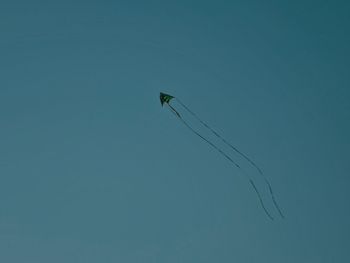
<point>225,155</point>
<point>239,152</point>
<point>273,198</point>
<point>260,199</point>
<point>175,111</point>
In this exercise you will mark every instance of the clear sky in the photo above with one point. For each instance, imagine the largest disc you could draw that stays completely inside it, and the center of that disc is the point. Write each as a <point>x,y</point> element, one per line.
<point>93,169</point>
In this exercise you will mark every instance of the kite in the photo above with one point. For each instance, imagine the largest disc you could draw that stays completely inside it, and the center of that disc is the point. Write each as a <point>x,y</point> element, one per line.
<point>165,99</point>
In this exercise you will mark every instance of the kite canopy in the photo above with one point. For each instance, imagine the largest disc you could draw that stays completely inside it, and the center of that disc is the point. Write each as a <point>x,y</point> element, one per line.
<point>165,98</point>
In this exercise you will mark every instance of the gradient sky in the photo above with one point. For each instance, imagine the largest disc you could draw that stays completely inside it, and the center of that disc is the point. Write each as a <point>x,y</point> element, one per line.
<point>93,169</point>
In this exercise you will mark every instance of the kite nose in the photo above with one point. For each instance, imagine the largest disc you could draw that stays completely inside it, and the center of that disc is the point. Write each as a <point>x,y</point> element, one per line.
<point>161,96</point>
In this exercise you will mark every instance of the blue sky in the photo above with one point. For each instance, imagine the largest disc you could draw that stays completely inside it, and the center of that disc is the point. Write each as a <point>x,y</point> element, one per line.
<point>93,169</point>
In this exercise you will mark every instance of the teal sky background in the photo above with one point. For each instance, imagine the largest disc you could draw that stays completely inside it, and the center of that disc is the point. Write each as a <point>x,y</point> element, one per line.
<point>93,169</point>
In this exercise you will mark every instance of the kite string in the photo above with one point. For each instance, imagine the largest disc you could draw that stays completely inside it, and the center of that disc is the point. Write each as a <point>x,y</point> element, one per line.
<point>238,151</point>
<point>175,112</point>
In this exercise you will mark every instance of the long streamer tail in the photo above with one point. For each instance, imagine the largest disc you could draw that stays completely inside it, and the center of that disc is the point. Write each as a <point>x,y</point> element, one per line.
<point>237,151</point>
<point>176,113</point>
